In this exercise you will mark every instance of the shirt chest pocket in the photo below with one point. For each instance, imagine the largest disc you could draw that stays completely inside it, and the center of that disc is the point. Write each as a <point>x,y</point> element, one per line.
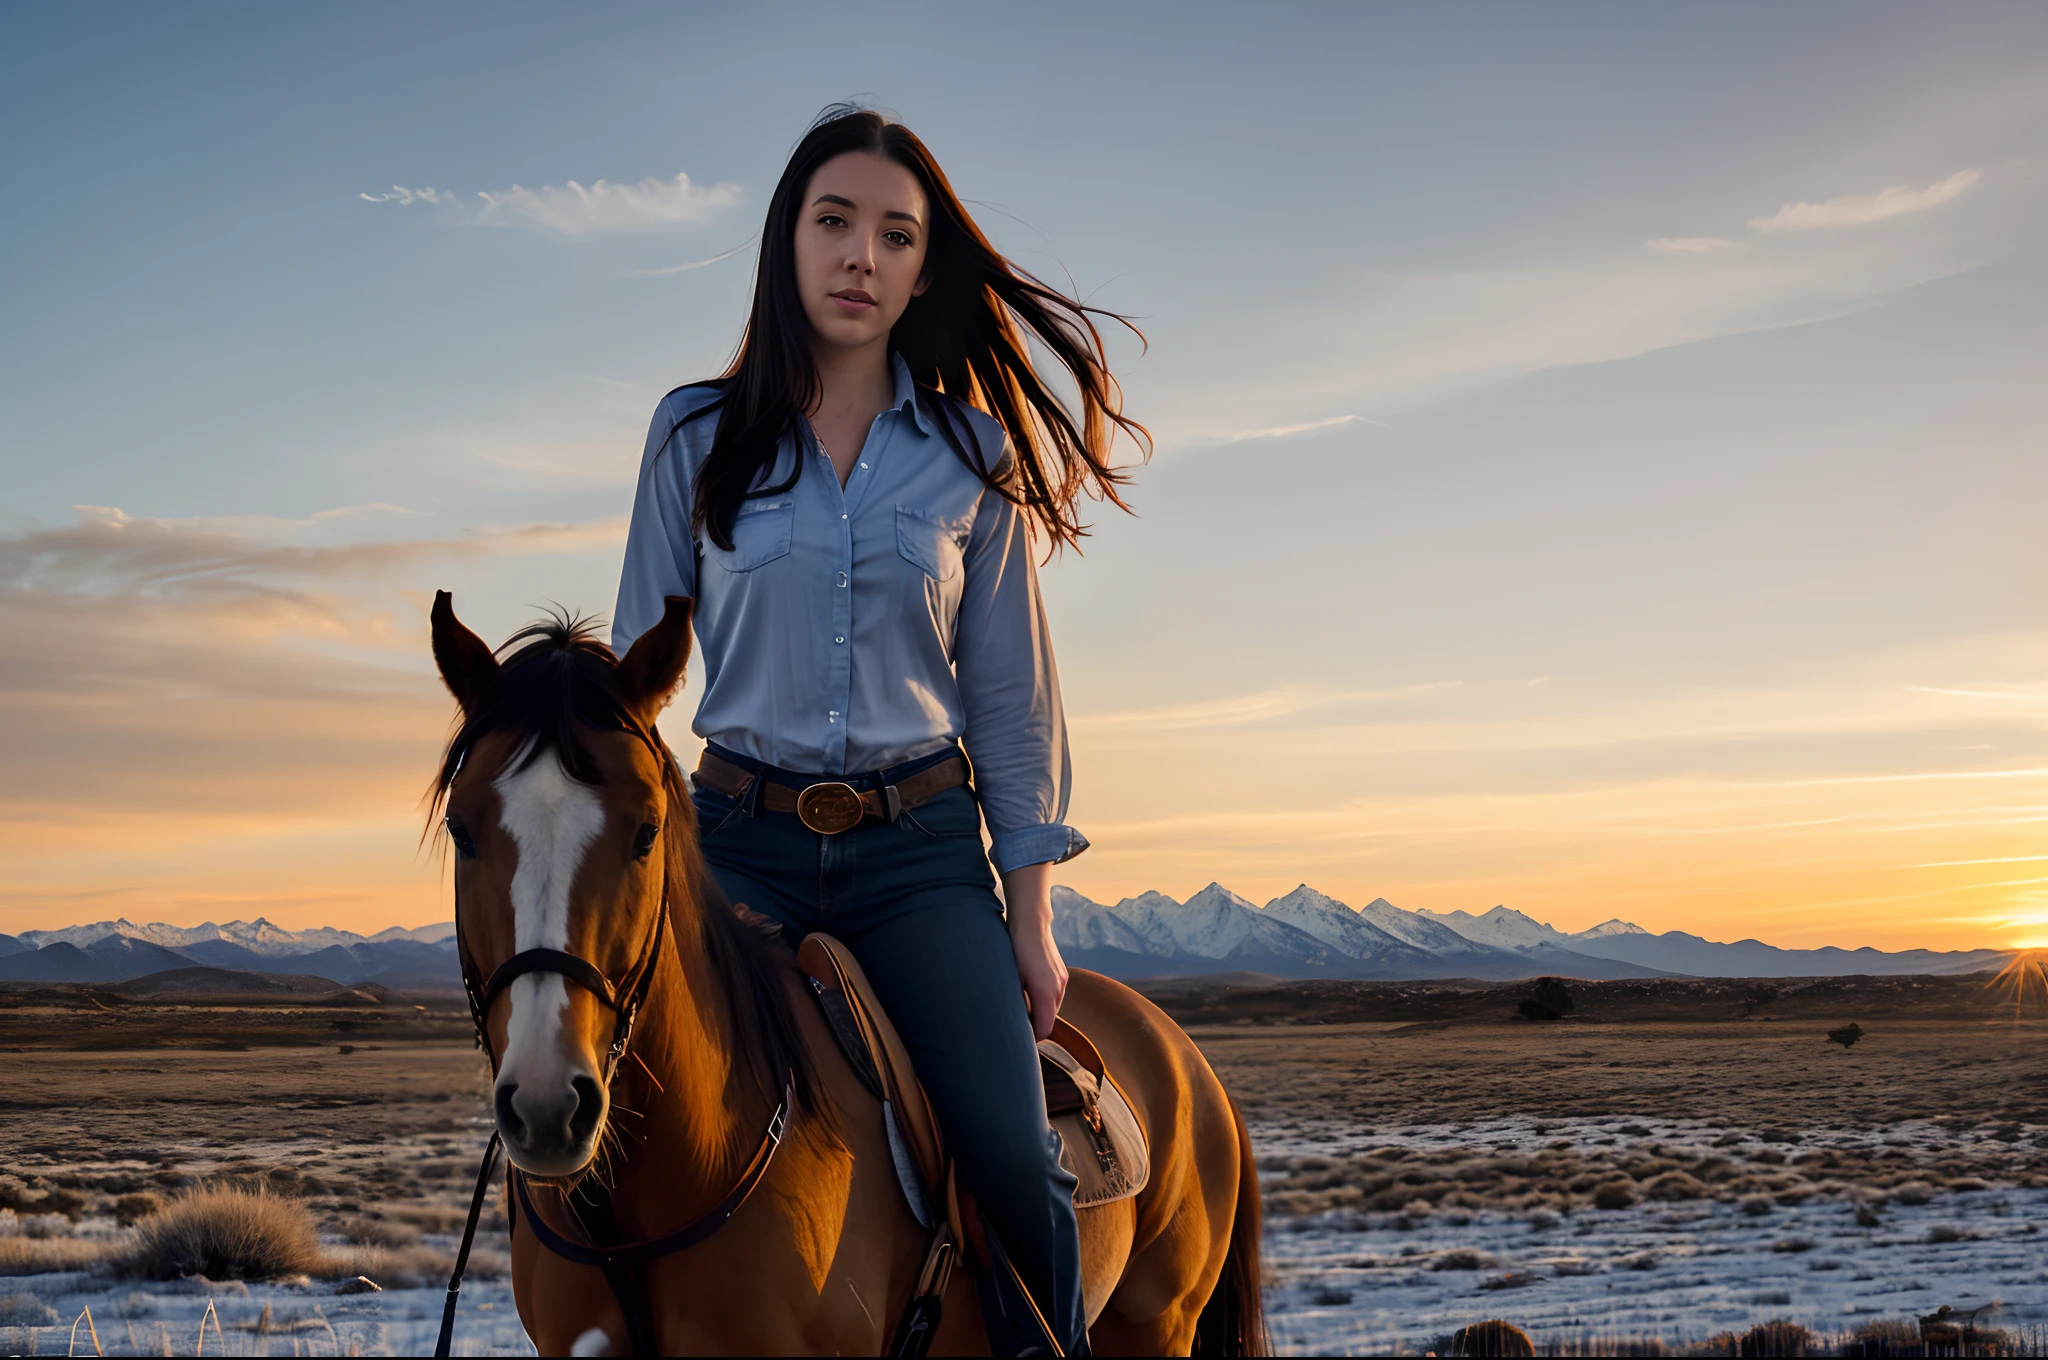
<point>927,543</point>
<point>761,533</point>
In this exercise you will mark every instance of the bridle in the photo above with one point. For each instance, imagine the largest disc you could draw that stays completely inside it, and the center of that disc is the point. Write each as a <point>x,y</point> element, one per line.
<point>623,1263</point>
<point>623,1002</point>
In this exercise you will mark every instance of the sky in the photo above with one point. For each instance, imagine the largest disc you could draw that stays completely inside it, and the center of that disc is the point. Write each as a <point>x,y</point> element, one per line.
<point>1601,450</point>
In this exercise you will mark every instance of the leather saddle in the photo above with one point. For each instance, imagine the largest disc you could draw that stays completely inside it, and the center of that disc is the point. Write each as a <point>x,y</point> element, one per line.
<point>1103,1143</point>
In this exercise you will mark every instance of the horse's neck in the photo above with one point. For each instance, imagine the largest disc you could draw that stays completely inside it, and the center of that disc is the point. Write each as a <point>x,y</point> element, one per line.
<point>701,1112</point>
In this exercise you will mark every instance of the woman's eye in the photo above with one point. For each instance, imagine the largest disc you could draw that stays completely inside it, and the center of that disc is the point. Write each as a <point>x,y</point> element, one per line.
<point>897,238</point>
<point>643,843</point>
<point>465,846</point>
<point>831,220</point>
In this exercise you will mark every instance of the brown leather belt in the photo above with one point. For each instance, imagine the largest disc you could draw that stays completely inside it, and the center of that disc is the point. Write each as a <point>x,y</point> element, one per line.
<point>829,806</point>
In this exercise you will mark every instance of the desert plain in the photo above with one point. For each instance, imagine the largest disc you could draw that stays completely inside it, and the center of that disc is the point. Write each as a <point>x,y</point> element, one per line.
<point>1667,1163</point>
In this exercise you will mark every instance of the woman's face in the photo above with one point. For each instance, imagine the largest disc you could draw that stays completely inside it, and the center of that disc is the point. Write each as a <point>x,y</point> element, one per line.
<point>860,248</point>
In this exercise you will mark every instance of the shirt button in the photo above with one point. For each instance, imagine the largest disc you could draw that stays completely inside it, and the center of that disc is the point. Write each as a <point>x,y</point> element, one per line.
<point>842,580</point>
<point>839,639</point>
<point>842,517</point>
<point>863,464</point>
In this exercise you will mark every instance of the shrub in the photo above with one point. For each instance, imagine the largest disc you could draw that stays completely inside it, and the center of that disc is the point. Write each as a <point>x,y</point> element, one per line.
<point>26,1310</point>
<point>1791,1244</point>
<point>1614,1195</point>
<point>1756,1206</point>
<point>1776,1338</point>
<point>227,1234</point>
<point>1675,1185</point>
<point>130,1209</point>
<point>1889,1336</point>
<point>1494,1337</point>
<point>1461,1259</point>
<point>1913,1192</point>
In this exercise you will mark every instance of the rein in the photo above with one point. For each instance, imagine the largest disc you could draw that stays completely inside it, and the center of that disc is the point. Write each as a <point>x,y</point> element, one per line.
<point>624,1003</point>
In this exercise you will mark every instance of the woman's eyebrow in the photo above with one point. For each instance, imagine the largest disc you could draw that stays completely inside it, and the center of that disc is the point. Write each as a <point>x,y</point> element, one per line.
<point>912,218</point>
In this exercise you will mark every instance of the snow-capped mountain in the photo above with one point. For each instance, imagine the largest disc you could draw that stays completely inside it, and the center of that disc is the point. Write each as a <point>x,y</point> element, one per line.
<point>1615,926</point>
<point>1304,934</point>
<point>258,936</point>
<point>1677,952</point>
<point>1081,924</point>
<point>1346,930</point>
<point>1420,929</point>
<point>113,951</point>
<point>1503,928</point>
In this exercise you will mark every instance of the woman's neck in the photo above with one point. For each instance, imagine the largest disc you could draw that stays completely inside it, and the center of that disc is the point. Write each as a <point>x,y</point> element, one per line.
<point>854,386</point>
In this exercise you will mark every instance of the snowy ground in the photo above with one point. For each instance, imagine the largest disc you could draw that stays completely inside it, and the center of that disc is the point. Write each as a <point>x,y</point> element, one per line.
<point>258,1319</point>
<point>1353,1281</point>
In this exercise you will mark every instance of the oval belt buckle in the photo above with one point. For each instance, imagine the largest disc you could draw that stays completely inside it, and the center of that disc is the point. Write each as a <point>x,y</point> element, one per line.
<point>829,809</point>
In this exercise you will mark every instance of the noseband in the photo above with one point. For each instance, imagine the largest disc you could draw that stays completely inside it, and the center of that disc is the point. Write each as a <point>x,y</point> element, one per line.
<point>624,1008</point>
<point>624,1004</point>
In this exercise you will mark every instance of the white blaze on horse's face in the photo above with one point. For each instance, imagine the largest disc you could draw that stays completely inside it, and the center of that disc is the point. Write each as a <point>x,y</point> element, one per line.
<point>550,1103</point>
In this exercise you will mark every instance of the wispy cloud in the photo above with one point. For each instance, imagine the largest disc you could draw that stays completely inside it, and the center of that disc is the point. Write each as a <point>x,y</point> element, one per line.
<point>1856,210</point>
<point>575,210</point>
<point>1278,702</point>
<point>1309,427</point>
<point>698,264</point>
<point>401,195</point>
<point>1688,245</point>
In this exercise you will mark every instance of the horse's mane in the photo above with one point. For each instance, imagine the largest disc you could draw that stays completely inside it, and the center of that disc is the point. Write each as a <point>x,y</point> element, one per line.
<point>562,684</point>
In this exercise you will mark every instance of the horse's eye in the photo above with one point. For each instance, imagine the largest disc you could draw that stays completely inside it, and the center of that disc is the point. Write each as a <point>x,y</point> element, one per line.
<point>643,843</point>
<point>464,845</point>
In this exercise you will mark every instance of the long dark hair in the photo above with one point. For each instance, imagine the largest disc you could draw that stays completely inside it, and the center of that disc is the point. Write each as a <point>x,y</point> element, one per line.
<point>965,336</point>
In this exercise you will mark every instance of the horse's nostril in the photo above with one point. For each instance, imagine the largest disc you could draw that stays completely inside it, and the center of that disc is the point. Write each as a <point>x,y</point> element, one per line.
<point>589,1108</point>
<point>510,1125</point>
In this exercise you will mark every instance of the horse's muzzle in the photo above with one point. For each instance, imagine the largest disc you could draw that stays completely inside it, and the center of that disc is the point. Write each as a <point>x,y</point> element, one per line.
<point>550,1132</point>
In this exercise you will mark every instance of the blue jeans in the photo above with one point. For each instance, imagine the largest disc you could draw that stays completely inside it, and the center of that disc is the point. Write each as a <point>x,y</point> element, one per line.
<point>915,901</point>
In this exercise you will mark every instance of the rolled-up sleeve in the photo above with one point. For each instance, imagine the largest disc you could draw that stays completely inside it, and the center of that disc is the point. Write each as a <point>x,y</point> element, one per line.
<point>1016,728</point>
<point>661,554</point>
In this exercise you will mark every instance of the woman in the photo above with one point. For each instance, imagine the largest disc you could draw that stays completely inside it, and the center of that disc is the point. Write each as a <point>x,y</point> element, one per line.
<point>853,506</point>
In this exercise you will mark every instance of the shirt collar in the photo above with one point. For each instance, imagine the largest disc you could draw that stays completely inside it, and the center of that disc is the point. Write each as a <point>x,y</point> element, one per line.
<point>906,393</point>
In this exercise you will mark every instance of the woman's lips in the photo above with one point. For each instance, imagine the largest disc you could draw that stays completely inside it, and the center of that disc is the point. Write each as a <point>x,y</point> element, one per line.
<point>853,300</point>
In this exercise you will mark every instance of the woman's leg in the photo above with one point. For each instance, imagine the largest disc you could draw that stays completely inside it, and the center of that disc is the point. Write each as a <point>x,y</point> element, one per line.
<point>921,915</point>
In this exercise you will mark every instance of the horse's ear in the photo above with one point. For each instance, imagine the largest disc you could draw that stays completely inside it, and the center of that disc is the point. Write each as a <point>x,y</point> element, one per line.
<point>653,665</point>
<point>468,667</point>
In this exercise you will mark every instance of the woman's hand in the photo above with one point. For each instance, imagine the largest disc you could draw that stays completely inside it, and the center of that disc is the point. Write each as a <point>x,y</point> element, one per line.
<point>1027,892</point>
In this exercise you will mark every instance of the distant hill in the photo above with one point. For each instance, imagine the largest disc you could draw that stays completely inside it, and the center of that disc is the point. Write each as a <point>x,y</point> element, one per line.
<point>1303,935</point>
<point>1677,952</point>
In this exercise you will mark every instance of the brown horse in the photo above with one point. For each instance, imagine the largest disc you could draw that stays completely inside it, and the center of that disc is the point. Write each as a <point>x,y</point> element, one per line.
<point>660,1073</point>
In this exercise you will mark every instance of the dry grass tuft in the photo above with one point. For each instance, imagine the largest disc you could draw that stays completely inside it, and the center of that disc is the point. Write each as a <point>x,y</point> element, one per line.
<point>39,1255</point>
<point>226,1233</point>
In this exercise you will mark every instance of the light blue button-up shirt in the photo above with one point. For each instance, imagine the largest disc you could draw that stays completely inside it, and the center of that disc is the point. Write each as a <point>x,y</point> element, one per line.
<point>852,629</point>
